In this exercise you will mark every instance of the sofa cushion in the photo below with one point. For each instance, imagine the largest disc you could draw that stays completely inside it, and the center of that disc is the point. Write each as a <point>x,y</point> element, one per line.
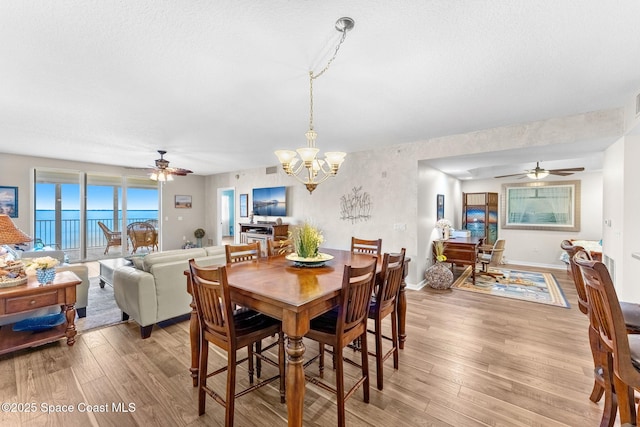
<point>216,250</point>
<point>138,262</point>
<point>169,256</point>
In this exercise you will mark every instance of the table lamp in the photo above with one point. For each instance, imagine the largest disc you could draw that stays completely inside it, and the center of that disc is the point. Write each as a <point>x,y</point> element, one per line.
<point>9,234</point>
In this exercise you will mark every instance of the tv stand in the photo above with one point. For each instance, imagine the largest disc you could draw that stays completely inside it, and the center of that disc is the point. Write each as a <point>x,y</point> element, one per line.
<point>261,232</point>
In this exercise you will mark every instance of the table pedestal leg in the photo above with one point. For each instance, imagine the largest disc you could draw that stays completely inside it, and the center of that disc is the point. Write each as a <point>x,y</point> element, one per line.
<point>295,380</point>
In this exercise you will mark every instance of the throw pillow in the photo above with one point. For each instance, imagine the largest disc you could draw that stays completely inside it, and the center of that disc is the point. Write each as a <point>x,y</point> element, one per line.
<point>138,262</point>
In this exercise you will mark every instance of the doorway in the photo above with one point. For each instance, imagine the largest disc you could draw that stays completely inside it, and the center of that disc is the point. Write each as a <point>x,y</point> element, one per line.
<point>226,214</point>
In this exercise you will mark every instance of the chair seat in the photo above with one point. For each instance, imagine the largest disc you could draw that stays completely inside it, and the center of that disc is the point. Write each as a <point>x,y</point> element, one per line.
<point>249,321</point>
<point>484,257</point>
<point>326,322</point>
<point>631,315</point>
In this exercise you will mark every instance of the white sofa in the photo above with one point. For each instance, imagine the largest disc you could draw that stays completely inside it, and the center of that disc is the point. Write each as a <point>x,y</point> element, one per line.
<point>82,290</point>
<point>154,289</point>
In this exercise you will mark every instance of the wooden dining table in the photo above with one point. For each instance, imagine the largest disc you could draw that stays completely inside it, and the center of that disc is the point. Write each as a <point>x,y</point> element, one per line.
<point>294,295</point>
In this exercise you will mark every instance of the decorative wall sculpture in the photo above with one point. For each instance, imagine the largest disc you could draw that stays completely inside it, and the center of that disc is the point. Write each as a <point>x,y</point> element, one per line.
<point>355,206</point>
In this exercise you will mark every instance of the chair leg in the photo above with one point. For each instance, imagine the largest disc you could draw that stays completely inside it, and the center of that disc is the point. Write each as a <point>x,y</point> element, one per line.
<point>337,351</point>
<point>231,388</point>
<point>610,408</point>
<point>281,366</point>
<point>202,376</point>
<point>626,404</point>
<point>394,338</point>
<point>365,367</point>
<point>258,360</point>
<point>250,362</point>
<point>379,356</point>
<point>594,341</point>
<point>321,360</point>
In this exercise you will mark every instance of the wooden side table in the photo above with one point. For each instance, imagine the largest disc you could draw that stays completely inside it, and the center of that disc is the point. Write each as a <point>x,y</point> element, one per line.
<point>33,295</point>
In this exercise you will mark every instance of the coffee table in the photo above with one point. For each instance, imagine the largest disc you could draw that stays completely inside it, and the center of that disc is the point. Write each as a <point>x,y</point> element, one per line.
<point>107,267</point>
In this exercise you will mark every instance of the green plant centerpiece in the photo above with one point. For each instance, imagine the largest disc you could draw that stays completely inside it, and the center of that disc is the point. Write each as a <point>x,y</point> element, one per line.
<point>199,233</point>
<point>306,240</point>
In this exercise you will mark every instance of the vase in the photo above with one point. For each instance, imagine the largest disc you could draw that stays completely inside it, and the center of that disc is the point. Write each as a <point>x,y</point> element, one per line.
<point>45,275</point>
<point>439,276</point>
<point>446,233</point>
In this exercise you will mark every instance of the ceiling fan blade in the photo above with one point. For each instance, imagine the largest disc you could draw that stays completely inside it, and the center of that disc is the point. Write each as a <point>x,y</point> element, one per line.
<point>560,173</point>
<point>179,171</point>
<point>567,170</point>
<point>522,175</point>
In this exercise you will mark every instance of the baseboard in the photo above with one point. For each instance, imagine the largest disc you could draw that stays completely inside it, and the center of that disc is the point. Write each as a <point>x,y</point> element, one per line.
<point>535,264</point>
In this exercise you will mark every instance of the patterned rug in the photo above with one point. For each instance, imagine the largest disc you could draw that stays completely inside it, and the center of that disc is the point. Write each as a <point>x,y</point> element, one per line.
<point>517,284</point>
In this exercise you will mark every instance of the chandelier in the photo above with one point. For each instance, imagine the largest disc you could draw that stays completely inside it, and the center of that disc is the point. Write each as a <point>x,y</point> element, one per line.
<point>308,169</point>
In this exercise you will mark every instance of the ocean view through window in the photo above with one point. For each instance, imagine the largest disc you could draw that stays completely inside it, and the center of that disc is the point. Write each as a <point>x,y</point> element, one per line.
<point>69,205</point>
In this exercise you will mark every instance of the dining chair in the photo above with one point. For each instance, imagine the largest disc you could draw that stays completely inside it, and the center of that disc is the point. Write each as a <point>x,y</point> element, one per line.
<point>339,327</point>
<point>231,331</point>
<point>114,238</point>
<point>369,247</point>
<point>242,252</point>
<point>383,304</point>
<point>602,384</point>
<point>279,247</point>
<point>621,348</point>
<point>491,257</point>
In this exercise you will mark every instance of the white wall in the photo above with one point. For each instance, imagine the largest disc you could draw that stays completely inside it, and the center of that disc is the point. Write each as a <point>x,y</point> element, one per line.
<point>541,247</point>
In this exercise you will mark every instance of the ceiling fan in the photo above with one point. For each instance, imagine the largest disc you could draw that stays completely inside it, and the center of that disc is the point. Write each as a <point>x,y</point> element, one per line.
<point>163,172</point>
<point>539,173</point>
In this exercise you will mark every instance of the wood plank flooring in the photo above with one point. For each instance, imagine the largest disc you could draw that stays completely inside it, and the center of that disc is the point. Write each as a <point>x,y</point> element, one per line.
<point>469,360</point>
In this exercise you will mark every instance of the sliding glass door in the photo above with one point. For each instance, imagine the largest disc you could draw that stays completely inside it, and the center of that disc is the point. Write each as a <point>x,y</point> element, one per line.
<point>72,210</point>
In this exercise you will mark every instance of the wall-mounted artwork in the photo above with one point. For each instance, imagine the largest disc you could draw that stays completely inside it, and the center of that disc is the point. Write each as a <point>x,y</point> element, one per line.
<point>9,201</point>
<point>355,206</point>
<point>541,206</point>
<point>439,206</point>
<point>244,205</point>
<point>183,202</point>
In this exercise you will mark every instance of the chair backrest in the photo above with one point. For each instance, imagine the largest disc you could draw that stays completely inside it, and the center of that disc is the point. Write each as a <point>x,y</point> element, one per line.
<point>392,274</point>
<point>243,252</point>
<point>606,316</point>
<point>142,233</point>
<point>357,286</point>
<point>362,246</point>
<point>212,298</point>
<point>578,281</point>
<point>497,252</point>
<point>104,229</point>
<point>279,247</point>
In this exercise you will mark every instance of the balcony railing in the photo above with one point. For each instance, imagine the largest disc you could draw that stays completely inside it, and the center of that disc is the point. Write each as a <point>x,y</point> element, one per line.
<point>45,231</point>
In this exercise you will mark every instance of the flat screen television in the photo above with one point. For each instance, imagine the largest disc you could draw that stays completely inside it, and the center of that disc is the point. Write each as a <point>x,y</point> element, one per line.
<point>271,201</point>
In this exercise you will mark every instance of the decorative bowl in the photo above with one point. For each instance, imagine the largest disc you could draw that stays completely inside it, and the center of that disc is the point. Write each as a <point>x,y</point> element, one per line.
<point>317,261</point>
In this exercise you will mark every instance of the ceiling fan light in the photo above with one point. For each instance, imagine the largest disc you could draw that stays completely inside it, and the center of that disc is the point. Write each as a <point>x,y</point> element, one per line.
<point>538,174</point>
<point>153,176</point>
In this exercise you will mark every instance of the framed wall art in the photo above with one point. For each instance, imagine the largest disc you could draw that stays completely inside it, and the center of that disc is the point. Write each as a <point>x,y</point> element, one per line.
<point>9,201</point>
<point>541,206</point>
<point>440,207</point>
<point>183,202</point>
<point>244,205</point>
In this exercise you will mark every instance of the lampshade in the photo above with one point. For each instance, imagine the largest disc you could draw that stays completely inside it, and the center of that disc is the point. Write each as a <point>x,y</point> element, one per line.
<point>9,234</point>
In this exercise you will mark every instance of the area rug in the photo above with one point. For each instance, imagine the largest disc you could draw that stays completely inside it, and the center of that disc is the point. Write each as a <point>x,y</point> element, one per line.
<point>517,284</point>
<point>102,309</point>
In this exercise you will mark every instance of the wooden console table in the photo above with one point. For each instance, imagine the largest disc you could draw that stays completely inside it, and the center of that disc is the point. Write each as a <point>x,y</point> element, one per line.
<point>33,295</point>
<point>261,232</point>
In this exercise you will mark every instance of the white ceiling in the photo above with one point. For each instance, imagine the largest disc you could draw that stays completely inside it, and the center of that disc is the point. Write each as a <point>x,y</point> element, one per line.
<point>222,84</point>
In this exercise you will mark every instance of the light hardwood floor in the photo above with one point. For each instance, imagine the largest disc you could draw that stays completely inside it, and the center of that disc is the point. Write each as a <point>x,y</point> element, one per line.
<point>469,360</point>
